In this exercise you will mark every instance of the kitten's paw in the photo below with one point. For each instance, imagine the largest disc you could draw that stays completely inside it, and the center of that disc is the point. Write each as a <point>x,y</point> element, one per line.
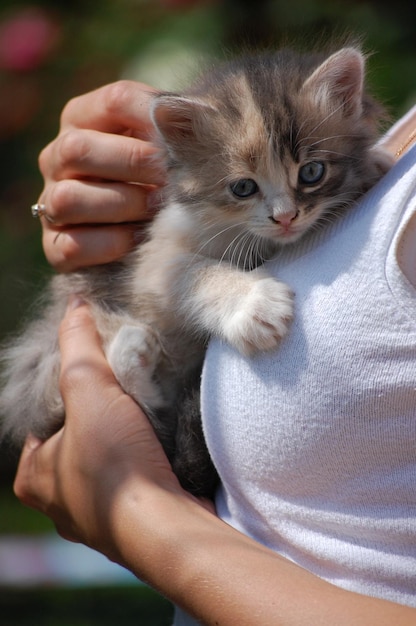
<point>133,347</point>
<point>133,355</point>
<point>263,317</point>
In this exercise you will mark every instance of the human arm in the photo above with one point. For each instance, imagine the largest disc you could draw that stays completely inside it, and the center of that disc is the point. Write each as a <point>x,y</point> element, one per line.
<point>99,174</point>
<point>105,481</point>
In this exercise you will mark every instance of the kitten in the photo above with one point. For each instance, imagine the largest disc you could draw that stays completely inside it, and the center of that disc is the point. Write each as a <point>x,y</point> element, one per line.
<point>258,151</point>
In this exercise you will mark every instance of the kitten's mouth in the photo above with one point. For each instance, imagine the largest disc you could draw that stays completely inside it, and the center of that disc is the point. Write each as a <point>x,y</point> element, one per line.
<point>287,234</point>
<point>289,237</point>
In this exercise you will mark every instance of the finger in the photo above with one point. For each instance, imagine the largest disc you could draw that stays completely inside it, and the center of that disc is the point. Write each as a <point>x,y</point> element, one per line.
<point>84,202</point>
<point>85,374</point>
<point>84,246</point>
<point>84,369</point>
<point>114,108</point>
<point>91,154</point>
<point>36,484</point>
<point>31,484</point>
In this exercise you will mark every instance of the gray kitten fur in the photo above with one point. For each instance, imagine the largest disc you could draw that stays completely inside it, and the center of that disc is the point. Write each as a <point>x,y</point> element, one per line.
<point>258,151</point>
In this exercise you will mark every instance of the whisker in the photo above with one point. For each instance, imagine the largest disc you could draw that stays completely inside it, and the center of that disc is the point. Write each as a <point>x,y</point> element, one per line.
<point>323,121</point>
<point>237,246</point>
<point>297,142</point>
<point>330,114</point>
<point>341,136</point>
<point>217,234</point>
<point>320,140</point>
<point>246,245</point>
<point>256,256</point>
<point>334,152</point>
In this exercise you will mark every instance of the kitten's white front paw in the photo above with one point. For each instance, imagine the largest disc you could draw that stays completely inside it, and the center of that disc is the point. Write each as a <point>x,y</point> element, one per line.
<point>133,355</point>
<point>262,318</point>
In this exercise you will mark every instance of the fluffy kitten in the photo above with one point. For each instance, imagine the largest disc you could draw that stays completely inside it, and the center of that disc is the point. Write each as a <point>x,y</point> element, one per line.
<point>258,151</point>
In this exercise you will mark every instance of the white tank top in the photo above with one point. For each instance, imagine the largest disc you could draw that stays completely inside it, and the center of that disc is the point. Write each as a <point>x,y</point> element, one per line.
<point>316,443</point>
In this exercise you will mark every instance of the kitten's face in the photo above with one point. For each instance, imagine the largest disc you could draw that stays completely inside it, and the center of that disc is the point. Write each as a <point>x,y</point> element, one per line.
<point>278,188</point>
<point>271,150</point>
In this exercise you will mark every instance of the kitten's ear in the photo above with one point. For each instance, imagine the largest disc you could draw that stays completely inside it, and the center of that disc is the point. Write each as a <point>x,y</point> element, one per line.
<point>178,118</point>
<point>340,78</point>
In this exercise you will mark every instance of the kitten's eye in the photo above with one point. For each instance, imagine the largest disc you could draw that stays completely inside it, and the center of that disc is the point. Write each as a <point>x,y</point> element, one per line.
<point>311,173</point>
<point>244,188</point>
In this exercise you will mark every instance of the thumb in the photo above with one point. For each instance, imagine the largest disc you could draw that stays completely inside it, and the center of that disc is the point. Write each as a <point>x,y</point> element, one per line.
<point>84,368</point>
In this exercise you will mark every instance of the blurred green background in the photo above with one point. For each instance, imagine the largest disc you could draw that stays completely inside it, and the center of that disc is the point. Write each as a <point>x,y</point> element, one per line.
<point>52,50</point>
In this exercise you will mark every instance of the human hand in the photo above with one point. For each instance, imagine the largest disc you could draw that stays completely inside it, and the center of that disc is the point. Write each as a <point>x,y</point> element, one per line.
<point>106,449</point>
<point>99,174</point>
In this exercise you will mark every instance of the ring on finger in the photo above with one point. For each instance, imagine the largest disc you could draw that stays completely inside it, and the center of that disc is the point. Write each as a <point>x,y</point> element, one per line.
<point>39,210</point>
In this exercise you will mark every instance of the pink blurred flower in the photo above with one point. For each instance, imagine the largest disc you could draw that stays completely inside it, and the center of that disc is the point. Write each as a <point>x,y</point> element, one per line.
<point>26,39</point>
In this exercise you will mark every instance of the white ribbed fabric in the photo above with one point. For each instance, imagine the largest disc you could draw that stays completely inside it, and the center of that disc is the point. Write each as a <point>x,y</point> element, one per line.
<point>316,443</point>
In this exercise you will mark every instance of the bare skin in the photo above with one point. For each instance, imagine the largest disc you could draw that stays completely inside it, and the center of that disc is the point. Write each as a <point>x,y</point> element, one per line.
<point>103,478</point>
<point>99,170</point>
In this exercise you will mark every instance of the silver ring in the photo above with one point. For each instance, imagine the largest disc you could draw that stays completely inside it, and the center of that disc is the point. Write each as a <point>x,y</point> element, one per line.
<point>39,210</point>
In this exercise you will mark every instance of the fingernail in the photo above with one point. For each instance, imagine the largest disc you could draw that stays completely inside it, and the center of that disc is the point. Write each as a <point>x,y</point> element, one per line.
<point>74,301</point>
<point>153,201</point>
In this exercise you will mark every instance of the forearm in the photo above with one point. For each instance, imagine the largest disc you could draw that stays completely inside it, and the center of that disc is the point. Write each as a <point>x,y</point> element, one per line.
<point>105,481</point>
<point>223,577</point>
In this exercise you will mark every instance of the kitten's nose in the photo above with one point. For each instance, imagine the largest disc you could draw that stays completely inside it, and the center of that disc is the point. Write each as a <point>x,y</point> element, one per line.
<point>284,218</point>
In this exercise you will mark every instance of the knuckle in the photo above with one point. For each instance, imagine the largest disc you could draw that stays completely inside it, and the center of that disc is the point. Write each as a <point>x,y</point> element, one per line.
<point>61,199</point>
<point>73,148</point>
<point>44,160</point>
<point>136,159</point>
<point>22,492</point>
<point>62,251</point>
<point>70,111</point>
<point>117,96</point>
<point>69,253</point>
<point>72,376</point>
<point>77,368</point>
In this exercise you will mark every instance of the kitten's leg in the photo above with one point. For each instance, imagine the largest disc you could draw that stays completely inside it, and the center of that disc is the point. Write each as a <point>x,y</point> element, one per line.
<point>133,355</point>
<point>192,462</point>
<point>255,318</point>
<point>258,319</point>
<point>250,310</point>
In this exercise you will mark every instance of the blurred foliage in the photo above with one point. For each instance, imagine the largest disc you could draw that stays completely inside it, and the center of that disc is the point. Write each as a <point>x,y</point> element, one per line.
<point>129,606</point>
<point>53,50</point>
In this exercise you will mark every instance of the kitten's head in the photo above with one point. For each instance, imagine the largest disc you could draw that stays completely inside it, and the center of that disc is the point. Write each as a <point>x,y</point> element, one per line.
<point>272,142</point>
